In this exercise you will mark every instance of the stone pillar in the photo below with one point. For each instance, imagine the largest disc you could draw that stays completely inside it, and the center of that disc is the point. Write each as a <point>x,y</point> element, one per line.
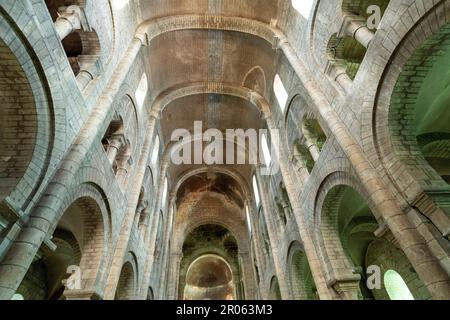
<point>247,276</point>
<point>141,210</point>
<point>282,217</point>
<point>173,283</point>
<point>124,163</point>
<point>285,204</point>
<point>115,144</point>
<point>299,163</point>
<point>336,69</point>
<point>311,142</point>
<point>355,27</point>
<point>166,247</point>
<point>273,236</point>
<point>256,239</point>
<point>151,232</point>
<point>68,21</point>
<point>90,67</point>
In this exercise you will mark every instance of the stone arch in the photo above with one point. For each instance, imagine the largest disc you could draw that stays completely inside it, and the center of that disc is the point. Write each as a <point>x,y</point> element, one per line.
<point>299,274</point>
<point>294,112</point>
<point>332,220</point>
<point>427,135</point>
<point>87,207</point>
<point>126,287</point>
<point>80,241</point>
<point>274,290</point>
<point>388,257</point>
<point>298,114</point>
<point>211,238</point>
<point>421,128</point>
<point>304,134</point>
<point>209,277</point>
<point>48,276</point>
<point>397,145</point>
<point>345,230</point>
<point>127,110</point>
<point>240,147</point>
<point>82,46</point>
<point>255,80</point>
<point>19,119</point>
<point>27,133</point>
<point>84,219</point>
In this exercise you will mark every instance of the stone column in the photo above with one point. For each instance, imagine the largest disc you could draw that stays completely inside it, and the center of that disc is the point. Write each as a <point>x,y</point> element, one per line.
<point>68,21</point>
<point>256,239</point>
<point>355,27</point>
<point>299,163</point>
<point>336,69</point>
<point>115,144</point>
<point>273,236</point>
<point>151,232</point>
<point>168,233</point>
<point>285,204</point>
<point>311,142</point>
<point>90,67</point>
<point>140,210</point>
<point>123,166</point>
<point>247,277</point>
<point>175,261</point>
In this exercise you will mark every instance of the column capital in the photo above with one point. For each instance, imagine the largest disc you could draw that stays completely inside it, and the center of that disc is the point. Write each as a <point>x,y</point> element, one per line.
<point>82,295</point>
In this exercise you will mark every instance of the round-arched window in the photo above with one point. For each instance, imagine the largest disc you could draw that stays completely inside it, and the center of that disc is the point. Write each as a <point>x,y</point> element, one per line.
<point>17,296</point>
<point>396,286</point>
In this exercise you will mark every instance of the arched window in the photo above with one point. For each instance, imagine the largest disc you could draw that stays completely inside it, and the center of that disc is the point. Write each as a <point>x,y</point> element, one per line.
<point>155,152</point>
<point>165,191</point>
<point>280,92</point>
<point>249,222</point>
<point>256,192</point>
<point>304,7</point>
<point>119,4</point>
<point>266,150</point>
<point>396,286</point>
<point>141,91</point>
<point>17,296</point>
